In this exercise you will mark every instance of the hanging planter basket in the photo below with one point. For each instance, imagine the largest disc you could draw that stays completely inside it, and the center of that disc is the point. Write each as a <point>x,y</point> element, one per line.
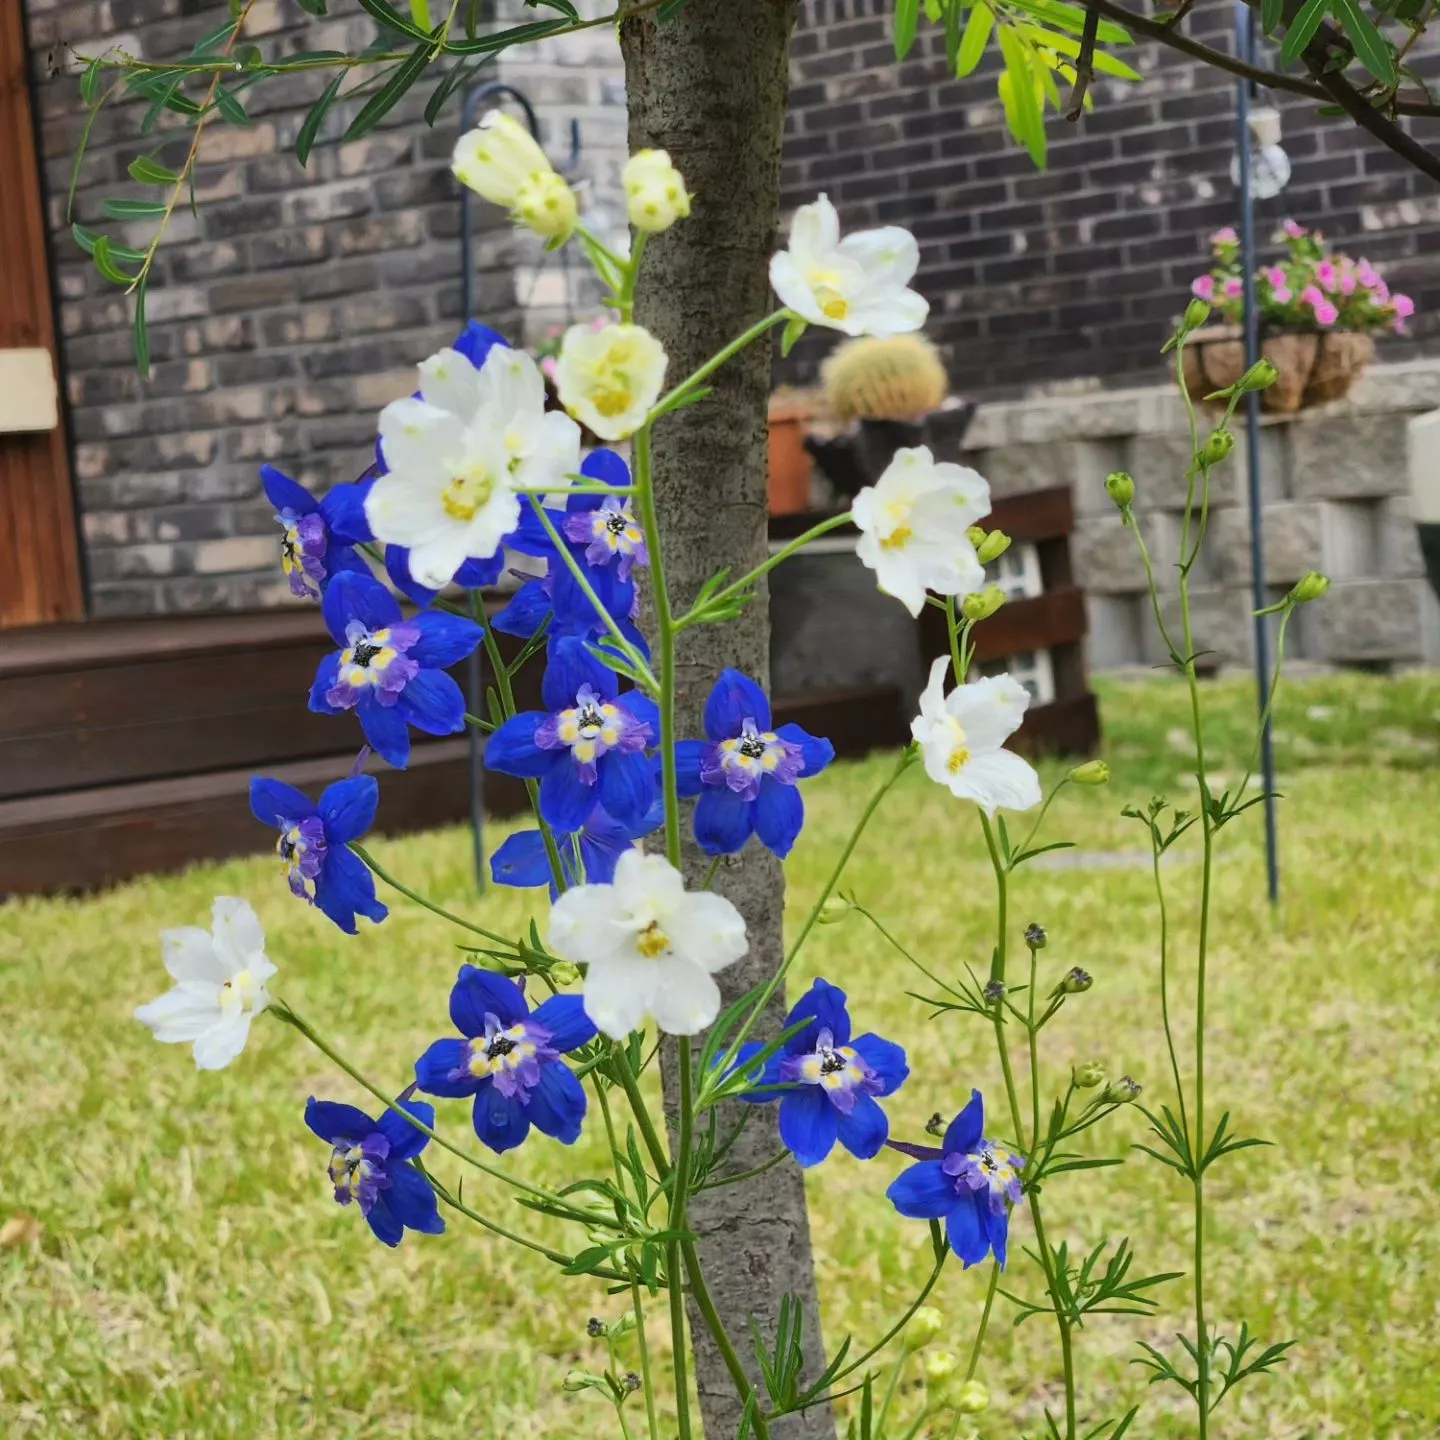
<point>1315,366</point>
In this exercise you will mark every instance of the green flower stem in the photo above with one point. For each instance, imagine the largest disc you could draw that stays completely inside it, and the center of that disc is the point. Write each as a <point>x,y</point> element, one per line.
<point>1034,1047</point>
<point>1024,845</point>
<point>695,1273</point>
<point>1165,982</point>
<point>1288,609</point>
<point>673,398</point>
<point>862,1360</point>
<point>769,1164</point>
<point>641,1112</point>
<point>979,1344</point>
<point>890,1387</point>
<point>675,1222</point>
<point>382,873</point>
<point>736,587</point>
<point>637,1304</point>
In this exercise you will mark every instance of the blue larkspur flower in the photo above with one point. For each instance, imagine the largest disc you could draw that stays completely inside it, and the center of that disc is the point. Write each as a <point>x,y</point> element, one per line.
<point>508,1057</point>
<point>316,544</point>
<point>586,747</point>
<point>745,773</point>
<point>966,1182</point>
<point>370,1166</point>
<point>389,670</point>
<point>588,855</point>
<point>833,1080</point>
<point>313,840</point>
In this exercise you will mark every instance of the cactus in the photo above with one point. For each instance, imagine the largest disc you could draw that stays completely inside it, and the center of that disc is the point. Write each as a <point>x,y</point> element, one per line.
<point>900,378</point>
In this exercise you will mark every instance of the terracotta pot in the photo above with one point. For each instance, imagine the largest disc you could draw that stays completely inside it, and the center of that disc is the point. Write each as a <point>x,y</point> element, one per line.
<point>790,462</point>
<point>1315,365</point>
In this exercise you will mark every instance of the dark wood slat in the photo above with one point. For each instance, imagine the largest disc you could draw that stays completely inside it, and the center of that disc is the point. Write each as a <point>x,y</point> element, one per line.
<point>1040,623</point>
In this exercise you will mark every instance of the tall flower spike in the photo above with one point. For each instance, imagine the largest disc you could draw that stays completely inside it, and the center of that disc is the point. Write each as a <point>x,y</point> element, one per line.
<point>962,737</point>
<point>219,986</point>
<point>914,523</point>
<point>501,161</point>
<point>859,284</point>
<point>651,947</point>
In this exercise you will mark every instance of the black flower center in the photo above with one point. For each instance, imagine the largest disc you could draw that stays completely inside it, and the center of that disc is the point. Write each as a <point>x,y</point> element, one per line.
<point>831,1062</point>
<point>500,1045</point>
<point>616,521</point>
<point>752,747</point>
<point>590,719</point>
<point>365,652</point>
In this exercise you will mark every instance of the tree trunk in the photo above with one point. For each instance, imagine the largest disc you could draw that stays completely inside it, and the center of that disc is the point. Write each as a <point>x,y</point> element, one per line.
<point>710,88</point>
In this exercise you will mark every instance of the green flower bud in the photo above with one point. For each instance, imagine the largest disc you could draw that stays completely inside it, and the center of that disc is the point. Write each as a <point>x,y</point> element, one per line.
<point>925,1324</point>
<point>1197,312</point>
<point>940,1367</point>
<point>976,535</point>
<point>577,1380</point>
<point>973,1398</point>
<point>994,545</point>
<point>1092,772</point>
<point>1120,488</point>
<point>1088,1075</point>
<point>982,604</point>
<point>834,910</point>
<point>1077,981</point>
<point>563,973</point>
<point>1035,936</point>
<point>1120,1092</point>
<point>995,991</point>
<point>596,1328</point>
<point>1310,586</point>
<point>1217,447</point>
<point>1260,376</point>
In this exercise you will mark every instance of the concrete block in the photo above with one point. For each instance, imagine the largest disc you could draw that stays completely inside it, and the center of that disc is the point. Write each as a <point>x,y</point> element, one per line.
<point>1221,624</point>
<point>1371,622</point>
<point>1117,628</point>
<point>1348,456</point>
<point>1397,542</point>
<point>1106,558</point>
<point>1423,466</point>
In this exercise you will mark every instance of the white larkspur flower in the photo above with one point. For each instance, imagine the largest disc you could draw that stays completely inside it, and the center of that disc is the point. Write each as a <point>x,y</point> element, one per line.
<point>501,161</point>
<point>913,522</point>
<point>609,378</point>
<point>962,737</point>
<point>455,454</point>
<point>859,284</point>
<point>650,947</point>
<point>219,987</point>
<point>655,193</point>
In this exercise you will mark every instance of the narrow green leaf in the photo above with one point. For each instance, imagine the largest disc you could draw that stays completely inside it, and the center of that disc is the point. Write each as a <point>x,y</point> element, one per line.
<point>794,329</point>
<point>952,32</point>
<point>1072,17</point>
<point>387,14</point>
<point>100,253</point>
<point>90,82</point>
<point>1370,46</point>
<point>516,35</point>
<point>669,10</point>
<point>977,36</point>
<point>1023,109</point>
<point>312,7</point>
<point>84,238</point>
<point>305,140</point>
<point>402,77</point>
<point>1271,13</point>
<point>565,7</point>
<point>142,335</point>
<point>151,172</point>
<point>462,74</point>
<point>907,21</point>
<point>217,37</point>
<point>133,209</point>
<point>1302,29</point>
<point>231,108</point>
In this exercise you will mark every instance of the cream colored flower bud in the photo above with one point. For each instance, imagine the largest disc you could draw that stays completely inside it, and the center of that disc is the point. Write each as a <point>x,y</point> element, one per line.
<point>563,973</point>
<point>609,378</point>
<point>925,1324</point>
<point>973,1398</point>
<point>655,193</point>
<point>940,1368</point>
<point>502,162</point>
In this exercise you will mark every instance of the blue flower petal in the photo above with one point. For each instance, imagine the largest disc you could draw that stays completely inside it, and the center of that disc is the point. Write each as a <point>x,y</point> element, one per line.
<point>434,703</point>
<point>557,1104</point>
<point>865,1129</point>
<point>405,1140</point>
<point>645,710</point>
<point>604,467</point>
<point>531,537</point>
<point>885,1058</point>
<point>565,798</point>
<point>807,1124</point>
<point>528,609</point>
<point>273,802</point>
<point>565,1018</point>
<point>434,1067</point>
<point>348,808</point>
<point>324,682</point>
<point>340,559</point>
<point>511,750</point>
<point>412,1201</point>
<point>570,663</point>
<point>477,574</point>
<point>334,1122</point>
<point>345,888</point>
<point>389,1228</point>
<point>521,861</point>
<point>825,1004</point>
<point>397,567</point>
<point>445,639</point>
<point>818,752</point>
<point>501,1122</point>
<point>688,755</point>
<point>343,510</point>
<point>735,699</point>
<point>476,341</point>
<point>626,787</point>
<point>997,1231</point>
<point>481,992</point>
<point>285,494</point>
<point>385,729</point>
<point>967,1129</point>
<point>357,597</point>
<point>723,820</point>
<point>923,1191</point>
<point>966,1229</point>
<point>779,816</point>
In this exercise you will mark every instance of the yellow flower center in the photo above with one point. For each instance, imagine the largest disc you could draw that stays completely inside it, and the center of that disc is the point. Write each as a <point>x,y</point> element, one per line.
<point>959,756</point>
<point>468,493</point>
<point>898,538</point>
<point>652,942</point>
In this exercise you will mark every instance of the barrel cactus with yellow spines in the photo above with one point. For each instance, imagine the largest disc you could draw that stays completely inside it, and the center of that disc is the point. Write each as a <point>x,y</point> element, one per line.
<point>899,378</point>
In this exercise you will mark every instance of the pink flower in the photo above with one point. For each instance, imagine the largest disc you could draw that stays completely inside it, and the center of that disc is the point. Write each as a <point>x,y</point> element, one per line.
<point>1234,288</point>
<point>1293,230</point>
<point>1281,295</point>
<point>1327,275</point>
<point>549,367</point>
<point>1227,236</point>
<point>1347,280</point>
<point>1203,286</point>
<point>1402,305</point>
<point>1325,312</point>
<point>1274,276</point>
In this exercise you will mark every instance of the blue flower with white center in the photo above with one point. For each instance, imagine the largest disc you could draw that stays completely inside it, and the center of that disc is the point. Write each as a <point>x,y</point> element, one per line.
<point>587,856</point>
<point>967,1182</point>
<point>590,746</point>
<point>508,1058</point>
<point>370,1166</point>
<point>391,671</point>
<point>833,1080</point>
<point>745,773</point>
<point>315,546</point>
<point>313,840</point>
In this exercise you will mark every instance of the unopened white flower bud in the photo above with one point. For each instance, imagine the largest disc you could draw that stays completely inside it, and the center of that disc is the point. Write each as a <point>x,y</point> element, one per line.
<point>655,193</point>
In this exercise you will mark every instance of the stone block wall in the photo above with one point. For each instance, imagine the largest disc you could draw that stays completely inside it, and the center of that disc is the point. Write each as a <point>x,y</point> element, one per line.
<point>1335,498</point>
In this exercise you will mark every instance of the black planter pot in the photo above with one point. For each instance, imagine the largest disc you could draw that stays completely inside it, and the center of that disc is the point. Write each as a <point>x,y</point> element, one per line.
<point>851,462</point>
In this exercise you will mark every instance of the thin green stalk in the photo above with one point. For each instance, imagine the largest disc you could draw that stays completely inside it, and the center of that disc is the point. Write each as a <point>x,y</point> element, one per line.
<point>711,870</point>
<point>891,1386</point>
<point>668,401</point>
<point>641,1112</point>
<point>637,1304</point>
<point>1034,1057</point>
<point>674,1256</point>
<point>864,1359</point>
<point>382,873</point>
<point>979,1344</point>
<point>1165,983</point>
<point>695,1273</point>
<point>769,1164</point>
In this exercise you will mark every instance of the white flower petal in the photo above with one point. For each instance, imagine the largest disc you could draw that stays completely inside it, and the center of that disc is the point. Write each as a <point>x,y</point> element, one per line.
<point>894,574</point>
<point>190,955</point>
<point>889,256</point>
<point>619,992</point>
<point>642,878</point>
<point>511,383</point>
<point>787,279</point>
<point>584,925</point>
<point>407,509</point>
<point>182,1014</point>
<point>239,938</point>
<point>685,1000</point>
<point>222,1042</point>
<point>997,781</point>
<point>708,930</point>
<point>448,381</point>
<point>815,228</point>
<point>990,711</point>
<point>433,562</point>
<point>420,440</point>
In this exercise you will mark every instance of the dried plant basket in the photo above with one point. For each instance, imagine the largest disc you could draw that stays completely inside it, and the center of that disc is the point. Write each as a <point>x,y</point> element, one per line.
<point>1315,365</point>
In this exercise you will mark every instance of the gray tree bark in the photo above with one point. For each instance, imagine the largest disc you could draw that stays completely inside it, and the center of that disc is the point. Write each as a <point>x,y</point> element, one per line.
<point>710,88</point>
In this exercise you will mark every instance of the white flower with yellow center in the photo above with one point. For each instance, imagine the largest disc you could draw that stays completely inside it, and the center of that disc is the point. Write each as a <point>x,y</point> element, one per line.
<point>655,193</point>
<point>913,522</point>
<point>455,454</point>
<point>859,284</point>
<point>219,986</point>
<point>609,378</point>
<point>501,161</point>
<point>962,737</point>
<point>650,947</point>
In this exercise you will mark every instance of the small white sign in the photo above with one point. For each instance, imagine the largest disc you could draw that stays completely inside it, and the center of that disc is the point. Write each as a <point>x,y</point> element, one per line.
<point>28,398</point>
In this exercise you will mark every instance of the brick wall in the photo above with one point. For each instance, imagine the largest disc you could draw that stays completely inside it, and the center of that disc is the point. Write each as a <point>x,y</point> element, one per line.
<point>1079,271</point>
<point>291,309</point>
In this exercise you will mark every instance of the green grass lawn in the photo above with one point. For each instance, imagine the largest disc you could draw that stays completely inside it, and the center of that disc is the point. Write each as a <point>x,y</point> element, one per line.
<point>193,1278</point>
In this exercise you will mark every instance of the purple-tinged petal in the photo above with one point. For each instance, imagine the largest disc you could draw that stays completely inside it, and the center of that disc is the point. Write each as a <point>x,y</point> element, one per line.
<point>388,1227</point>
<point>557,1104</point>
<point>343,510</point>
<point>565,799</point>
<point>723,821</point>
<point>385,729</point>
<point>334,1122</point>
<point>413,1201</point>
<point>350,597</point>
<point>570,666</point>
<point>286,494</point>
<point>923,1192</point>
<point>864,1130</point>
<point>565,1018</point>
<point>441,1070</point>
<point>327,677</point>
<point>967,1129</point>
<point>824,1005</point>
<point>406,1141</point>
<point>345,888</point>
<point>434,703</point>
<point>627,787</point>
<point>997,1231</point>
<point>886,1060</point>
<point>445,639</point>
<point>501,1121</point>
<point>967,1232</point>
<point>817,751</point>
<point>688,755</point>
<point>511,750</point>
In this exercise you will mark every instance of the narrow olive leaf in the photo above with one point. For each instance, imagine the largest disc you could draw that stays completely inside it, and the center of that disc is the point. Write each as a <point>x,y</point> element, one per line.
<point>151,172</point>
<point>305,140</point>
<point>794,329</point>
<point>563,6</point>
<point>1302,29</point>
<point>217,37</point>
<point>952,32</point>
<point>80,151</point>
<point>133,209</point>
<point>90,82</point>
<point>1072,17</point>
<point>1271,12</point>
<point>402,77</point>
<point>312,7</point>
<point>907,21</point>
<point>975,39</point>
<point>387,14</point>
<point>84,238</point>
<point>1370,46</point>
<point>502,40</point>
<point>231,108</point>
<point>1028,124</point>
<point>100,253</point>
<point>461,74</point>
